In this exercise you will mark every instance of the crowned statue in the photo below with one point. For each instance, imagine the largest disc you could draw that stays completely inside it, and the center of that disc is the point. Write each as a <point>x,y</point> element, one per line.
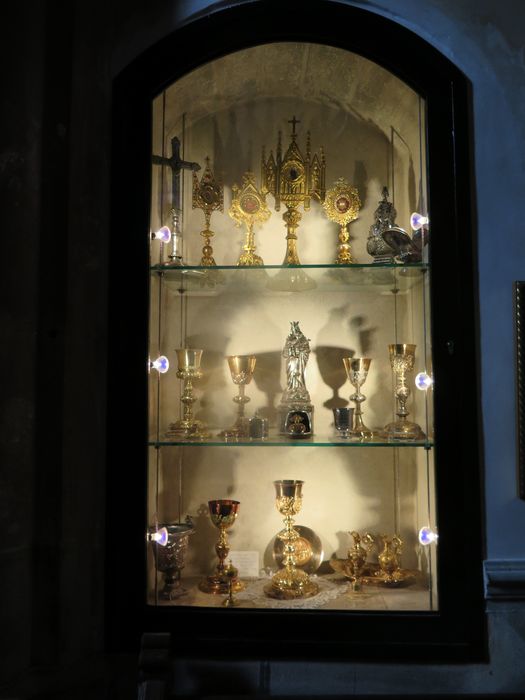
<point>296,409</point>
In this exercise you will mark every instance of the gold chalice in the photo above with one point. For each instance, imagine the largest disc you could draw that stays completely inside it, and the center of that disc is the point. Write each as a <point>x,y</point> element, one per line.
<point>402,357</point>
<point>289,582</point>
<point>357,372</point>
<point>189,361</point>
<point>223,514</point>
<point>241,370</point>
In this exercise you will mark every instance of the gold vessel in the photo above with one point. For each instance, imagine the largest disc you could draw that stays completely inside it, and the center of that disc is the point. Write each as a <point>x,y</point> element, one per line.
<point>289,582</point>
<point>241,370</point>
<point>223,514</point>
<point>249,207</point>
<point>208,195</point>
<point>357,372</point>
<point>293,179</point>
<point>341,205</point>
<point>189,361</point>
<point>356,558</point>
<point>402,358</point>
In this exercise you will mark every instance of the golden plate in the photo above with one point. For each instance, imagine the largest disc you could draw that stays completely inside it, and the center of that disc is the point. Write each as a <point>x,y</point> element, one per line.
<point>400,578</point>
<point>338,566</point>
<point>308,550</point>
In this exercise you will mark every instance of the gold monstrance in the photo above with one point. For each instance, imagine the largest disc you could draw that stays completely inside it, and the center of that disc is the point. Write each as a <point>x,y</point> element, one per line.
<point>342,206</point>
<point>249,207</point>
<point>294,180</point>
<point>208,195</point>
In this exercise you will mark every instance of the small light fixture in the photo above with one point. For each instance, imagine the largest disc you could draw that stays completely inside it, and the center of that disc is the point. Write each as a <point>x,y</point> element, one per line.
<point>159,536</point>
<point>427,535</point>
<point>418,221</point>
<point>423,381</point>
<point>161,364</point>
<point>163,235</point>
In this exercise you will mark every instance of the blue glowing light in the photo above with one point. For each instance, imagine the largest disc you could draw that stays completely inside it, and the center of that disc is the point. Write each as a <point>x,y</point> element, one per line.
<point>417,221</point>
<point>427,536</point>
<point>423,381</point>
<point>161,364</point>
<point>163,234</point>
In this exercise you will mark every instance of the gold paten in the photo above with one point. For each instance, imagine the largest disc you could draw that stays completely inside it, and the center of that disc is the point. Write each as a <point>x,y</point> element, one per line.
<point>249,207</point>
<point>289,582</point>
<point>293,179</point>
<point>208,195</point>
<point>223,514</point>
<point>341,205</point>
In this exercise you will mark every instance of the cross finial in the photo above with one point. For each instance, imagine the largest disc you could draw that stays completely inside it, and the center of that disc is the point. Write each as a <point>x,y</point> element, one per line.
<point>293,121</point>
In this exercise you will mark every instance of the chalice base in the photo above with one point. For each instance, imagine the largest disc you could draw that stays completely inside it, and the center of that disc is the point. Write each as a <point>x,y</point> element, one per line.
<point>194,430</point>
<point>362,433</point>
<point>238,430</point>
<point>250,260</point>
<point>291,280</point>
<point>172,591</point>
<point>403,430</point>
<point>220,584</point>
<point>289,585</point>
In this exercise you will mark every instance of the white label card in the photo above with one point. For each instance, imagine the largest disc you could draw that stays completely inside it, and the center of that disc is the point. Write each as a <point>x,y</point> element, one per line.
<point>246,562</point>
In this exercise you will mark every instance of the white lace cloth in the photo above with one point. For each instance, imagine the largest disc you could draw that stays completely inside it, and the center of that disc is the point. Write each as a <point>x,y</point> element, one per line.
<point>254,592</point>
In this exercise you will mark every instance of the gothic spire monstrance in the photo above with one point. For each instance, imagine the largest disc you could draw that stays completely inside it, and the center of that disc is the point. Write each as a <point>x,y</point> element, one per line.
<point>208,195</point>
<point>177,165</point>
<point>293,179</point>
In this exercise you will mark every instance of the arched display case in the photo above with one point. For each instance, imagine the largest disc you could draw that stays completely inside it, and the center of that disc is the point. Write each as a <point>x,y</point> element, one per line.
<point>276,276</point>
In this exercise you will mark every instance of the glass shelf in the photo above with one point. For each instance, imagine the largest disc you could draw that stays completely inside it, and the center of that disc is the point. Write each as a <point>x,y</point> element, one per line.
<point>278,279</point>
<point>277,441</point>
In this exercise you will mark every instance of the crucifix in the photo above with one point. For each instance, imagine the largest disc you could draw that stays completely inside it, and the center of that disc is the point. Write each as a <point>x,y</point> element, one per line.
<point>177,164</point>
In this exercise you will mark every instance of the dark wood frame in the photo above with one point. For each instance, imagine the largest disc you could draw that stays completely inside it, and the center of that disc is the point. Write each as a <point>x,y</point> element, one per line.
<point>519,311</point>
<point>457,631</point>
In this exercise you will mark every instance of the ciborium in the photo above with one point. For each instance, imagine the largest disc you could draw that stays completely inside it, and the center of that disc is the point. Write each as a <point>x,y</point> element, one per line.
<point>189,361</point>
<point>402,357</point>
<point>357,372</point>
<point>241,370</point>
<point>341,205</point>
<point>249,207</point>
<point>223,514</point>
<point>289,582</point>
<point>169,558</point>
<point>208,195</point>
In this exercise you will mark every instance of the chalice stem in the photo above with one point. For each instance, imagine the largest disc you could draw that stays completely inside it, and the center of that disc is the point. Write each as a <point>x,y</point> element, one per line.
<point>222,548</point>
<point>289,547</point>
<point>249,246</point>
<point>402,394</point>
<point>291,218</point>
<point>188,400</point>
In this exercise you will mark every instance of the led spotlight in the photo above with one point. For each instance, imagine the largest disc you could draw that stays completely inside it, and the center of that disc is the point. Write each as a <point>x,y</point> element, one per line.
<point>417,221</point>
<point>160,536</point>
<point>161,364</point>
<point>427,535</point>
<point>423,381</point>
<point>163,235</point>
